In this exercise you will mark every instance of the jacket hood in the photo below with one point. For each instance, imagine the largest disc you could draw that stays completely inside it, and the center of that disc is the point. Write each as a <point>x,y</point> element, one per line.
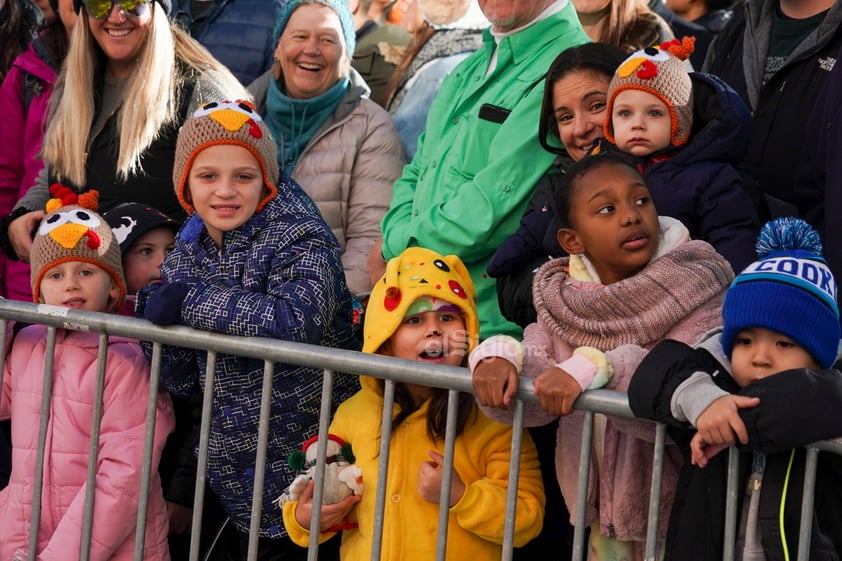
<point>759,16</point>
<point>721,123</point>
<point>36,61</point>
<point>757,11</point>
<point>357,90</point>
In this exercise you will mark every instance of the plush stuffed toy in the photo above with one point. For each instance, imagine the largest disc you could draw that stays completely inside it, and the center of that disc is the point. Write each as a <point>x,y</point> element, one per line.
<point>342,476</point>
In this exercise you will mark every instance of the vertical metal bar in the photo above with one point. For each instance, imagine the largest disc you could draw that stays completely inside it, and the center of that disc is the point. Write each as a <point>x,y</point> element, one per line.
<point>382,468</point>
<point>731,495</point>
<point>651,550</point>
<point>38,483</point>
<point>260,461</point>
<point>319,475</point>
<point>447,473</point>
<point>805,528</point>
<point>4,326</point>
<point>514,476</point>
<point>146,469</point>
<point>93,449</point>
<point>202,460</point>
<point>582,491</point>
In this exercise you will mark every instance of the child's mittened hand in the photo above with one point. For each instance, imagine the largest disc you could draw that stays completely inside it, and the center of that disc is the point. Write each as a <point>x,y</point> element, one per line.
<point>495,382</point>
<point>429,481</point>
<point>164,305</point>
<point>558,391</point>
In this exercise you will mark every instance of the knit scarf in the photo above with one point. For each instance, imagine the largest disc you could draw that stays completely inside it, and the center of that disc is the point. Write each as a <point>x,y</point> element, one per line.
<point>294,122</point>
<point>638,310</point>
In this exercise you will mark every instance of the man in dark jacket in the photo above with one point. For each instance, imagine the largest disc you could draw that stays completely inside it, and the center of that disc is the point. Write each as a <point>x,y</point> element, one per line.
<point>818,183</point>
<point>778,55</point>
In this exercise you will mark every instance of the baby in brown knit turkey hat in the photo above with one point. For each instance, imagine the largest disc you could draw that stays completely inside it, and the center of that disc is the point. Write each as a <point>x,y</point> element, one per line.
<point>75,260</point>
<point>685,131</point>
<point>650,99</point>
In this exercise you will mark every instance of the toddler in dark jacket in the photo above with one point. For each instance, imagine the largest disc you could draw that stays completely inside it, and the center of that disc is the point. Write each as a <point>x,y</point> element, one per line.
<point>687,131</point>
<point>774,353</point>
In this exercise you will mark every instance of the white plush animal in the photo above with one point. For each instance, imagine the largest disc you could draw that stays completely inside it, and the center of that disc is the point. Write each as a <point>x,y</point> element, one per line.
<point>342,476</point>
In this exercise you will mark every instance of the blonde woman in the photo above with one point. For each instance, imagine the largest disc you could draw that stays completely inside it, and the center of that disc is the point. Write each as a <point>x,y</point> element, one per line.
<point>130,80</point>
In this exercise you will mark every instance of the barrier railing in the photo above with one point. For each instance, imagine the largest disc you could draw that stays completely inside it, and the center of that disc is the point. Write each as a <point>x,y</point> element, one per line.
<point>331,360</point>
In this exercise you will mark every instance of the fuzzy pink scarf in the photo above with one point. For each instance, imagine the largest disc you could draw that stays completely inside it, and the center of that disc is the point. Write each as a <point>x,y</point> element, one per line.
<point>637,310</point>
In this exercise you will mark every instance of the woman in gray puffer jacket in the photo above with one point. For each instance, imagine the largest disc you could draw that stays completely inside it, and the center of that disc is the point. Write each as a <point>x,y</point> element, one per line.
<point>340,146</point>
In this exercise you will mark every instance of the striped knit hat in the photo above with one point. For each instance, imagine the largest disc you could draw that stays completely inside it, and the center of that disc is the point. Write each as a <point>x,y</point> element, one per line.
<point>225,122</point>
<point>660,71</point>
<point>72,231</point>
<point>789,290</point>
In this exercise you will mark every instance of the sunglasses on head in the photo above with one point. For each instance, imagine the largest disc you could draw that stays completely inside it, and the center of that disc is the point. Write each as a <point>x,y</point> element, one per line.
<point>99,9</point>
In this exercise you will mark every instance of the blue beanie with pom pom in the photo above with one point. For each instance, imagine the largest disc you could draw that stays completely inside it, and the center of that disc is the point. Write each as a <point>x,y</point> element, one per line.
<point>790,290</point>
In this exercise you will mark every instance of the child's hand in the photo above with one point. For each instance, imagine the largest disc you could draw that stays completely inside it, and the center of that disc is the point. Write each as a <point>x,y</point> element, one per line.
<point>558,391</point>
<point>181,517</point>
<point>495,382</point>
<point>429,481</point>
<point>720,426</point>
<point>332,515</point>
<point>164,304</point>
<point>700,452</point>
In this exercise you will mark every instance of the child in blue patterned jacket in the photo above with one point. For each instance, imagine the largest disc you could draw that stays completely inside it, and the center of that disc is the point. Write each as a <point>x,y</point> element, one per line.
<point>254,258</point>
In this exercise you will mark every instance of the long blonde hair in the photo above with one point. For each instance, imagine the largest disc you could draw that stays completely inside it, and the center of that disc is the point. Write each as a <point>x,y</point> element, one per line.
<point>630,25</point>
<point>151,97</point>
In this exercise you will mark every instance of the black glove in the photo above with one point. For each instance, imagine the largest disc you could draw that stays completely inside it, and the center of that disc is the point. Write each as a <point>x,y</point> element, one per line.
<point>164,305</point>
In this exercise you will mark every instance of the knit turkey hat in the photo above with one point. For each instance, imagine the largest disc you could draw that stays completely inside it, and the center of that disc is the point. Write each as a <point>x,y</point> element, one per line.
<point>660,71</point>
<point>72,231</point>
<point>166,4</point>
<point>418,274</point>
<point>346,20</point>
<point>219,123</point>
<point>790,290</point>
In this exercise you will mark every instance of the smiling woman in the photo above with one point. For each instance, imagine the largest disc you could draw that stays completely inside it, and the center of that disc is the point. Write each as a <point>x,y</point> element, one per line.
<point>123,55</point>
<point>572,115</point>
<point>340,146</point>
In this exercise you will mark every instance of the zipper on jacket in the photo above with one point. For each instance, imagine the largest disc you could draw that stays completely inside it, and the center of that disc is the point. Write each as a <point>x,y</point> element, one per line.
<point>612,532</point>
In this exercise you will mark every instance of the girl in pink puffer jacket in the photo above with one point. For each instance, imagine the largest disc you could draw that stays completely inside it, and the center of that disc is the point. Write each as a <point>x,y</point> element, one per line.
<point>76,264</point>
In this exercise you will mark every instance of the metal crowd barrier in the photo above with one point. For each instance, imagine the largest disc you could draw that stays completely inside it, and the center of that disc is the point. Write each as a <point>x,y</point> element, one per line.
<point>331,360</point>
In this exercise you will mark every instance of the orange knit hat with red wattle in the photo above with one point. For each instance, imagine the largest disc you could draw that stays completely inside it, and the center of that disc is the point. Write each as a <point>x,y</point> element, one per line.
<point>225,122</point>
<point>73,231</point>
<point>662,72</point>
